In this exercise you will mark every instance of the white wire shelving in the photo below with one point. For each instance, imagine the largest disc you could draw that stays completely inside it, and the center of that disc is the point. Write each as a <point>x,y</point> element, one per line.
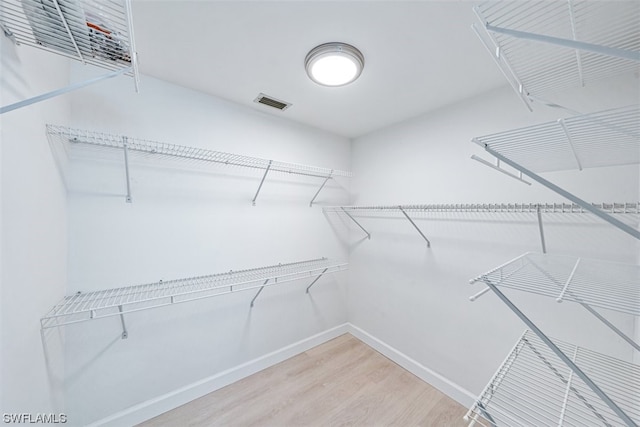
<point>82,307</point>
<point>94,32</point>
<point>534,387</point>
<point>609,285</point>
<point>626,211</point>
<point>606,138</point>
<point>72,138</point>
<point>542,47</point>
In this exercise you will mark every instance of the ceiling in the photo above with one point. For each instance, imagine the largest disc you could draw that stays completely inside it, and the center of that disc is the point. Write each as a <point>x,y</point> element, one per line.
<point>419,56</point>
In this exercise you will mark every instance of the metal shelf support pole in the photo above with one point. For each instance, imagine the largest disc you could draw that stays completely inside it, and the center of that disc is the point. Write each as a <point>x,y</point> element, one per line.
<point>316,279</point>
<point>126,167</point>
<point>266,171</point>
<point>584,377</point>
<point>357,223</point>
<point>321,187</point>
<point>125,334</point>
<point>544,246</point>
<point>415,226</point>
<point>61,91</point>
<point>573,44</point>
<point>586,205</point>
<point>259,290</point>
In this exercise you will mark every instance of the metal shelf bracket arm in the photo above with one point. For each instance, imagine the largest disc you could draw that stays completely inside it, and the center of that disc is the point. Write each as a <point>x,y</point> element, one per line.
<point>573,44</point>
<point>266,171</point>
<point>321,187</point>
<point>316,279</point>
<point>61,91</point>
<point>544,246</point>
<point>259,290</point>
<point>357,223</point>
<point>415,226</point>
<point>125,334</point>
<point>125,146</point>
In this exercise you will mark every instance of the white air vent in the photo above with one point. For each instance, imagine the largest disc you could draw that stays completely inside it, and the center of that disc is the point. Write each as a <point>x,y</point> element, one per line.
<point>272,102</point>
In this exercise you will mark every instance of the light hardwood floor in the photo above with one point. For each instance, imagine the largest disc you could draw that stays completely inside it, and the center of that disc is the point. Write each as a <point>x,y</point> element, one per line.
<point>341,382</point>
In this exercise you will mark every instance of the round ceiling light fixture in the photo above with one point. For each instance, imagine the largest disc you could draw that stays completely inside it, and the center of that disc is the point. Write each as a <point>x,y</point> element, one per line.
<point>334,64</point>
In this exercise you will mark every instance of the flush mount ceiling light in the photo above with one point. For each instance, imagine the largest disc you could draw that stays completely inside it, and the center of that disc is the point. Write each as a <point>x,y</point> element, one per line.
<point>334,64</point>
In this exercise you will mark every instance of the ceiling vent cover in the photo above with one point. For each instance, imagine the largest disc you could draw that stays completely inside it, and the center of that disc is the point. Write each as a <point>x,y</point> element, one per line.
<point>272,102</point>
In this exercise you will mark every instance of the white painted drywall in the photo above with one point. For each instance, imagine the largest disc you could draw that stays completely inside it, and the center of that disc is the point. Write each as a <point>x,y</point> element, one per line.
<point>33,230</point>
<point>184,223</point>
<point>414,298</point>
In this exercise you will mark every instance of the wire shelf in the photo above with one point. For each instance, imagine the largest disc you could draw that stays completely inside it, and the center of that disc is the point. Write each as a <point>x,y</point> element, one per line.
<point>96,32</point>
<point>82,307</point>
<point>604,138</point>
<point>609,28</point>
<point>597,283</point>
<point>76,137</point>
<point>534,387</point>
<point>614,208</point>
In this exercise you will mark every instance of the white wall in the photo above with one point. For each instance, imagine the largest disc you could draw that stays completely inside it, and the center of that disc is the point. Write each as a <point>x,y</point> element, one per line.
<point>184,223</point>
<point>415,298</point>
<point>33,232</point>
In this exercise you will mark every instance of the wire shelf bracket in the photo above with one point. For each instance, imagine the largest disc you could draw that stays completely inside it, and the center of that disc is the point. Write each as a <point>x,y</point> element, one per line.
<point>414,225</point>
<point>98,33</point>
<point>145,148</point>
<point>82,307</point>
<point>356,222</point>
<point>499,169</point>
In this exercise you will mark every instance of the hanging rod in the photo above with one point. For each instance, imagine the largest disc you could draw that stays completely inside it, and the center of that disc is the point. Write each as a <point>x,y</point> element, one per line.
<point>94,32</point>
<point>82,307</point>
<point>70,138</point>
<point>533,386</point>
<point>543,47</point>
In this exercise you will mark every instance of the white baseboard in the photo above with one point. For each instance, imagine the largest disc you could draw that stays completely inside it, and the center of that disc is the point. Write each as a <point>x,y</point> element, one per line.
<point>445,385</point>
<point>154,407</point>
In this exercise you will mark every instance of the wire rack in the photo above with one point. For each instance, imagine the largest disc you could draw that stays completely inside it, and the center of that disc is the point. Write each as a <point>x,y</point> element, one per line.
<point>604,138</point>
<point>607,32</point>
<point>614,208</point>
<point>92,305</point>
<point>96,32</point>
<point>597,283</point>
<point>533,387</point>
<point>75,137</point>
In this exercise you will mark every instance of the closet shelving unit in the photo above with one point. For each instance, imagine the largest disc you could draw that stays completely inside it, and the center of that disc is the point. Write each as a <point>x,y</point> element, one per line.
<point>76,139</point>
<point>621,210</point>
<point>543,47</point>
<point>94,32</point>
<point>606,138</point>
<point>82,307</point>
<point>533,387</point>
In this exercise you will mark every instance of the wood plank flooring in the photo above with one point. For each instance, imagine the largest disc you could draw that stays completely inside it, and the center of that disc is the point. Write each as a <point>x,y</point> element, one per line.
<point>341,382</point>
